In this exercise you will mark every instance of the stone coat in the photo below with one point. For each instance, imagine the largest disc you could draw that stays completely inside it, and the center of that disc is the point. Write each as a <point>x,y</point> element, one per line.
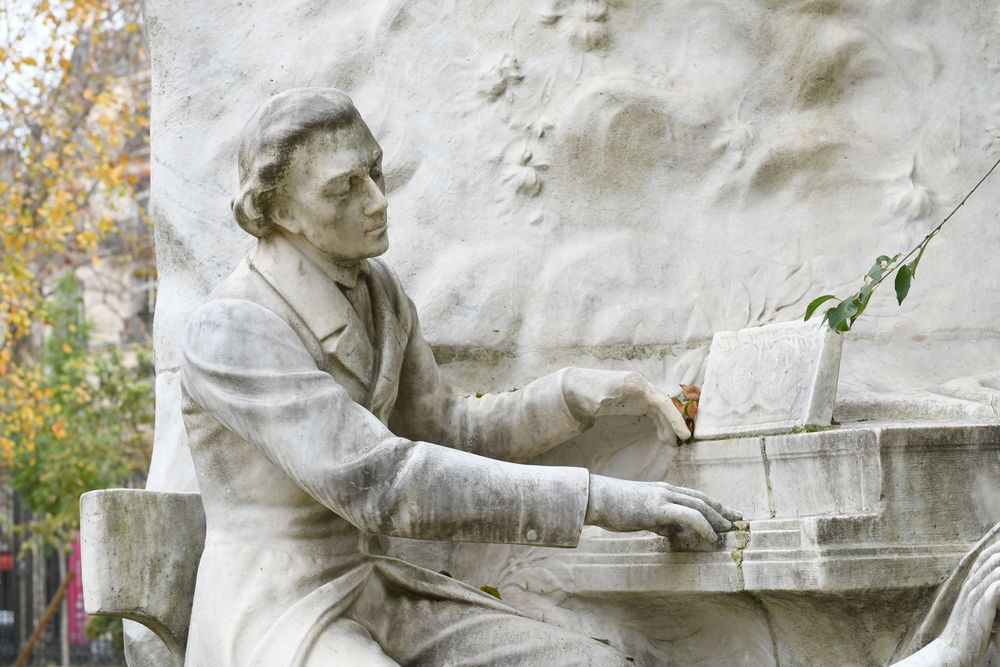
<point>308,437</point>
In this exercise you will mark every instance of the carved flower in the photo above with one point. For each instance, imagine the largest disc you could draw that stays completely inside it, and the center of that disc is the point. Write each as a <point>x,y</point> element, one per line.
<point>909,198</point>
<point>497,79</point>
<point>582,21</point>
<point>912,200</point>
<point>524,176</point>
<point>589,35</point>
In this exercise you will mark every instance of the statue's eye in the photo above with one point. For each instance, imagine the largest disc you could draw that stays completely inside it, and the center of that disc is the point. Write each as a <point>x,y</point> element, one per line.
<point>376,173</point>
<point>339,187</point>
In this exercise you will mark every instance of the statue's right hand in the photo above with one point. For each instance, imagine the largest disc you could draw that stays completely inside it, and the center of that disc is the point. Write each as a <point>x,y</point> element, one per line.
<point>623,506</point>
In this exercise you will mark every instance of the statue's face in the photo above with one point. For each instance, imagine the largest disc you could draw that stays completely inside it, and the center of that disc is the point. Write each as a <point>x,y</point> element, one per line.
<point>334,194</point>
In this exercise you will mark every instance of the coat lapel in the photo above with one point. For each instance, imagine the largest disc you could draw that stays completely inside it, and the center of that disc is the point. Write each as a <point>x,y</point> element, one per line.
<point>321,305</point>
<point>391,341</point>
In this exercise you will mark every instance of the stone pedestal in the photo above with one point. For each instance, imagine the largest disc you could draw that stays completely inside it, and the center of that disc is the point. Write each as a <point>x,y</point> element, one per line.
<point>850,532</point>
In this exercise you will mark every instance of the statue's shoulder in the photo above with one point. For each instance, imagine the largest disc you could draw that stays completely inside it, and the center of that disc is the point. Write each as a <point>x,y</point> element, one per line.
<point>243,283</point>
<point>247,284</point>
<point>243,290</point>
<point>248,287</point>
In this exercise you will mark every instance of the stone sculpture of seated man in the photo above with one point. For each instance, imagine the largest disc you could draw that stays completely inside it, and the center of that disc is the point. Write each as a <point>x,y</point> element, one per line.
<point>311,403</point>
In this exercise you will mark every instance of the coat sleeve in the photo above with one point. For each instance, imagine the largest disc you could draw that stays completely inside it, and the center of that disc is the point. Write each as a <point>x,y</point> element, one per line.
<point>244,365</point>
<point>515,425</point>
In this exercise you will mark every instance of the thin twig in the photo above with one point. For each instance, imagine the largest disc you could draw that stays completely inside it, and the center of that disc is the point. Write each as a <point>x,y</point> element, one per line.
<point>934,231</point>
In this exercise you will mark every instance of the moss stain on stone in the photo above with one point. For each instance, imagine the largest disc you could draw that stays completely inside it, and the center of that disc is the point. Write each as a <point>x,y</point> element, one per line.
<point>742,542</point>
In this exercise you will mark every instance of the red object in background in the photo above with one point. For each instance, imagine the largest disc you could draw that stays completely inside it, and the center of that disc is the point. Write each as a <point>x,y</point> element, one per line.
<point>74,598</point>
<point>6,562</point>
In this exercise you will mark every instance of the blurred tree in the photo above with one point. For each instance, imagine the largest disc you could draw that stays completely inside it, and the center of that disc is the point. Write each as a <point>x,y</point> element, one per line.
<point>73,160</point>
<point>71,121</point>
<point>82,417</point>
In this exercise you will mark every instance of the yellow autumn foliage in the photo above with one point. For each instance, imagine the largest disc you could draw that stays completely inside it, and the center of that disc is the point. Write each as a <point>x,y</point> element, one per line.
<point>71,116</point>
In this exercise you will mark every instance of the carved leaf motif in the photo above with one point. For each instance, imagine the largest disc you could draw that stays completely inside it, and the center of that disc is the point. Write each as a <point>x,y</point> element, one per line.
<point>582,21</point>
<point>496,79</point>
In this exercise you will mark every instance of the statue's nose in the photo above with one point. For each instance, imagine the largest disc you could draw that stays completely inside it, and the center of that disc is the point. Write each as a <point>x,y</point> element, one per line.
<point>375,201</point>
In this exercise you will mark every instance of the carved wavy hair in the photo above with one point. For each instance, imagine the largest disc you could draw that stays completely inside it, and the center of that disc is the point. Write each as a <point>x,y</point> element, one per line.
<point>270,137</point>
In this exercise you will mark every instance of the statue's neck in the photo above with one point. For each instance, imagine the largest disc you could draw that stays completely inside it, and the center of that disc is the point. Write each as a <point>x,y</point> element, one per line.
<point>343,272</point>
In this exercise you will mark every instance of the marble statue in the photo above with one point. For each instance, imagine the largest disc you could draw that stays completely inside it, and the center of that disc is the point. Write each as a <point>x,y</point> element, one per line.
<point>607,184</point>
<point>317,417</point>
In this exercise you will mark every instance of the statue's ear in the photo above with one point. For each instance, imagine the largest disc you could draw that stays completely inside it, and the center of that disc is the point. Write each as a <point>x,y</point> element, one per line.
<point>280,208</point>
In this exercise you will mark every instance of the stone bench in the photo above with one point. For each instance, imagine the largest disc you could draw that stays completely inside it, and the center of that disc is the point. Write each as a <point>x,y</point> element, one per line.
<point>139,556</point>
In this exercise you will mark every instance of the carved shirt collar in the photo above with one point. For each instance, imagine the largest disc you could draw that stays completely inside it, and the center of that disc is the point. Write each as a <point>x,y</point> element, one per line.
<point>308,289</point>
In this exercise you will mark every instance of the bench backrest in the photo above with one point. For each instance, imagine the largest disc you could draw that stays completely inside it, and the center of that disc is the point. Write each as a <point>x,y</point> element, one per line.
<point>140,552</point>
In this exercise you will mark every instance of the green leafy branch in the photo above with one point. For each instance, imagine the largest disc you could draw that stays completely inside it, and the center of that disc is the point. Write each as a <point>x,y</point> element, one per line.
<point>842,316</point>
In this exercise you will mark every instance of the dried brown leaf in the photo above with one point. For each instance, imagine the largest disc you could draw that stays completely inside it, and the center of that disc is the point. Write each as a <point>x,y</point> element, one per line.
<point>691,392</point>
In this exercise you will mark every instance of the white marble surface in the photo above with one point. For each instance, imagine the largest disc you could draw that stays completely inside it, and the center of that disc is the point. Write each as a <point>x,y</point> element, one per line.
<point>608,184</point>
<point>842,556</point>
<point>771,379</point>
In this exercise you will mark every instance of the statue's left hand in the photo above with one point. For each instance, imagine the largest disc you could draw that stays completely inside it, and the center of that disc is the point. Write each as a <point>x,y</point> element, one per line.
<point>592,393</point>
<point>971,622</point>
<point>963,641</point>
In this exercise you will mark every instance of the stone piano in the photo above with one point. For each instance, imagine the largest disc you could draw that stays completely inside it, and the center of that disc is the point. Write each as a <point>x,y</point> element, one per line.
<point>851,530</point>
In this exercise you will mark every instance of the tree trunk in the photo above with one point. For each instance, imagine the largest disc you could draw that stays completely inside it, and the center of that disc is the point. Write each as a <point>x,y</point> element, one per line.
<point>25,654</point>
<point>64,616</point>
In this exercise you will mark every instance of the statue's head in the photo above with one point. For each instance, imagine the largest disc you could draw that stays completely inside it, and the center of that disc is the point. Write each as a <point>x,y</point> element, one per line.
<point>310,166</point>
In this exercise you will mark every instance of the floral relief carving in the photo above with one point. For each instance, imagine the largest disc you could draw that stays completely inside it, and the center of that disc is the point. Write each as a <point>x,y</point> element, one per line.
<point>910,199</point>
<point>499,78</point>
<point>523,176</point>
<point>584,22</point>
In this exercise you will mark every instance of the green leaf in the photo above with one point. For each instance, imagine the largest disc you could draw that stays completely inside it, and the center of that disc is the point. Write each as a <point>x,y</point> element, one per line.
<point>866,290</point>
<point>816,303</point>
<point>903,278</point>
<point>882,263</point>
<point>839,317</point>
<point>603,641</point>
<point>832,319</point>
<point>862,302</point>
<point>492,591</point>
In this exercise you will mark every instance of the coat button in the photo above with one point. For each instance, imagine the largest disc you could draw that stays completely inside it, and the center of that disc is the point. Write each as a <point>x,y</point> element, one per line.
<point>531,535</point>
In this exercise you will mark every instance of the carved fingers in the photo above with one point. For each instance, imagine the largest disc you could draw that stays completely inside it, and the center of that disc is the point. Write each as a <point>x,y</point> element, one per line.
<point>729,513</point>
<point>669,422</point>
<point>670,425</point>
<point>594,393</point>
<point>625,506</point>
<point>676,516</point>
<point>971,621</point>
